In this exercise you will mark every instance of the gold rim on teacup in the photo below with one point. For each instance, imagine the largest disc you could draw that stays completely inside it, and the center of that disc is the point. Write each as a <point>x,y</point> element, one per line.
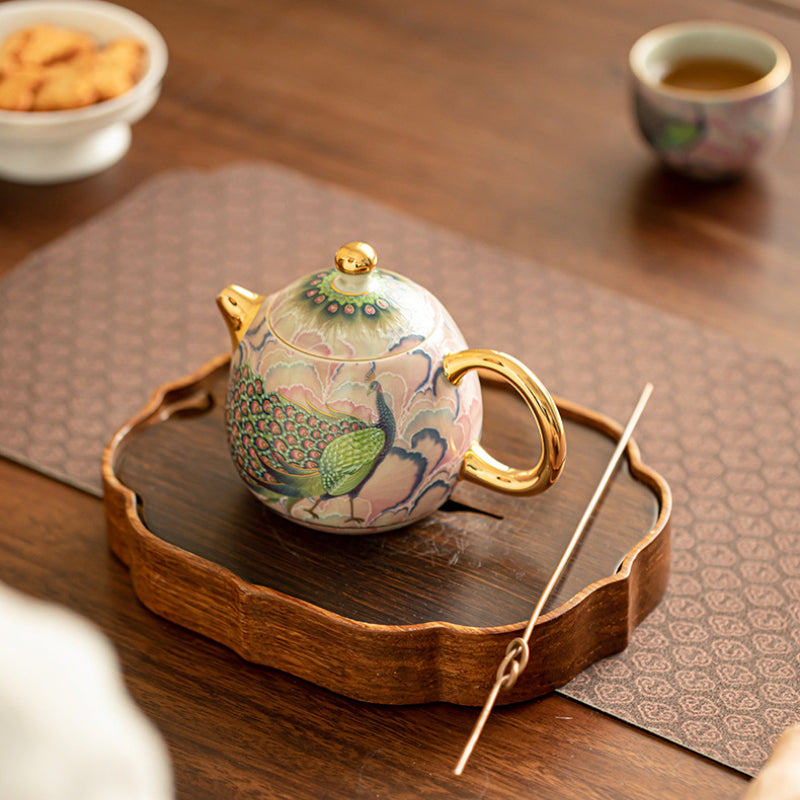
<point>657,49</point>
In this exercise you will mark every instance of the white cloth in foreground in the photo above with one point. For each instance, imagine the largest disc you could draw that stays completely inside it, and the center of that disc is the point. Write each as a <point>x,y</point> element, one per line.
<point>69,730</point>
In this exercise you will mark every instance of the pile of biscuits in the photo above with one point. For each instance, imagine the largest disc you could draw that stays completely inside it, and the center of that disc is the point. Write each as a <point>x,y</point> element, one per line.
<point>47,68</point>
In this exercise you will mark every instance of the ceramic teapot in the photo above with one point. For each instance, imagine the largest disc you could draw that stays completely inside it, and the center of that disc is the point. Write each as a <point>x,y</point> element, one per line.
<point>353,403</point>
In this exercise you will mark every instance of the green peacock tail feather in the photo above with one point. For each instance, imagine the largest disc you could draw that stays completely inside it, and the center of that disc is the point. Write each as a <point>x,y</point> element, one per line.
<point>294,449</point>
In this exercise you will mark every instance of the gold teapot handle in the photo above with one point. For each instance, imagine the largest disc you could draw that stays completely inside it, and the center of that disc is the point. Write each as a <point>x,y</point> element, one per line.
<point>482,468</point>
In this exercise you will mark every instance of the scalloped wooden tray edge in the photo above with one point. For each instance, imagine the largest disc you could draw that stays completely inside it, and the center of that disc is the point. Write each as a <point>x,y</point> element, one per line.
<point>393,664</point>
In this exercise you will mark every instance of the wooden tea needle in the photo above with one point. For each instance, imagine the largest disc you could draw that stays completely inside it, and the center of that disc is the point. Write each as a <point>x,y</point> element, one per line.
<point>517,652</point>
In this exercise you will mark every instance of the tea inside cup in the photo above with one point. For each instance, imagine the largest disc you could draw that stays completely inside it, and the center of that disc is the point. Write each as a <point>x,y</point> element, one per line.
<point>711,96</point>
<point>710,58</point>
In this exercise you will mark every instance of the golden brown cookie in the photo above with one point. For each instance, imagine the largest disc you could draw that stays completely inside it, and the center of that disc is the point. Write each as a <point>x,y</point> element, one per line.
<point>118,67</point>
<point>18,88</point>
<point>11,48</point>
<point>47,44</point>
<point>64,86</point>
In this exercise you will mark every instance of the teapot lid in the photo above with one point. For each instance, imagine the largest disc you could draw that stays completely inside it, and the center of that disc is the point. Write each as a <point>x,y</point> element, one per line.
<point>354,312</point>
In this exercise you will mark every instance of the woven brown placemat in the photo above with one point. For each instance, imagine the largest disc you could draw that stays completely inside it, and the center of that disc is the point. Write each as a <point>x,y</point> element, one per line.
<point>91,324</point>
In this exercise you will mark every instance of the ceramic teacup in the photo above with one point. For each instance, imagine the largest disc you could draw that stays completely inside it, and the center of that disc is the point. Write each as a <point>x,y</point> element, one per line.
<point>710,96</point>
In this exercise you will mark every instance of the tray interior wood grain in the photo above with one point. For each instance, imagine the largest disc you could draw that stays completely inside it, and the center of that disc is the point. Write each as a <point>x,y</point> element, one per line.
<point>454,587</point>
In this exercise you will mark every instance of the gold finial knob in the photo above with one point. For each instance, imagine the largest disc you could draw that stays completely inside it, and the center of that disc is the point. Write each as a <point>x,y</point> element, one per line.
<point>356,258</point>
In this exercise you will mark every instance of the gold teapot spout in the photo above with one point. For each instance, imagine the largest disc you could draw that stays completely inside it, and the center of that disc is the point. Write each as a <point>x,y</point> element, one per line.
<point>238,306</point>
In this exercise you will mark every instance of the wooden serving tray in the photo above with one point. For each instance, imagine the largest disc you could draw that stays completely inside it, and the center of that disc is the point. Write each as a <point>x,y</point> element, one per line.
<point>417,615</point>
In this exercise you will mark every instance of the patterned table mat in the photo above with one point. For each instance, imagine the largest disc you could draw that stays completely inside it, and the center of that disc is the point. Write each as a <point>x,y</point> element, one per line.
<point>91,324</point>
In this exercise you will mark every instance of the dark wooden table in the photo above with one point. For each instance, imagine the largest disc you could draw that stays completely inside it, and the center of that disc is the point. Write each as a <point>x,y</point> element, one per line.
<point>505,120</point>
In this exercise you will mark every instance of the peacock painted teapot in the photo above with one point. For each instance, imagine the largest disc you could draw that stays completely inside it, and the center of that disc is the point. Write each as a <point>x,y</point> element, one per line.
<point>353,403</point>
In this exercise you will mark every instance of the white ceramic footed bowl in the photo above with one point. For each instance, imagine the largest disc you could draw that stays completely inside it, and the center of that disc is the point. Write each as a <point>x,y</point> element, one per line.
<point>42,147</point>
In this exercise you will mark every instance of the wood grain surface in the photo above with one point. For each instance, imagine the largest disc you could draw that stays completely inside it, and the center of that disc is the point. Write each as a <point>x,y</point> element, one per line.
<point>505,120</point>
